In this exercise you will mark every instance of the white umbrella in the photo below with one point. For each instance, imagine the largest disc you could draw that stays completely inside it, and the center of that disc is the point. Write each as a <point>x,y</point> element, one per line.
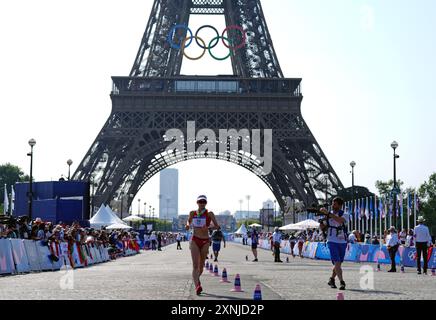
<point>293,226</point>
<point>308,224</point>
<point>256,225</point>
<point>118,226</point>
<point>133,219</point>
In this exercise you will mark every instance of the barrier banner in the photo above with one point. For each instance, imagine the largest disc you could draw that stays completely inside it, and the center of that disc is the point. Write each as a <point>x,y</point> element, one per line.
<point>432,260</point>
<point>44,255</point>
<point>6,259</point>
<point>20,256</point>
<point>65,254</point>
<point>352,253</point>
<point>88,256</point>
<point>32,255</point>
<point>55,249</point>
<point>408,257</point>
<point>76,256</point>
<point>322,252</point>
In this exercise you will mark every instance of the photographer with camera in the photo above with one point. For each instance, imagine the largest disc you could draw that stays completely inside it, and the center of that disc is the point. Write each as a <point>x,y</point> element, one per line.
<point>335,224</point>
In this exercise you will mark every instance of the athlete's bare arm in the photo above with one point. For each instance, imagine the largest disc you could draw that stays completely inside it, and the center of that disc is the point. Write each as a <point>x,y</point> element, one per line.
<point>188,223</point>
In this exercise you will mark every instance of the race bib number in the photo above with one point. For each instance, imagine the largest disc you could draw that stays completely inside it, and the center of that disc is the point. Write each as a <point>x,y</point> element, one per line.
<point>341,235</point>
<point>199,222</point>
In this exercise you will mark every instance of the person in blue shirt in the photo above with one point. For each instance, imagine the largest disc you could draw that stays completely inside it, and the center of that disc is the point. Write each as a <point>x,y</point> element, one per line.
<point>337,236</point>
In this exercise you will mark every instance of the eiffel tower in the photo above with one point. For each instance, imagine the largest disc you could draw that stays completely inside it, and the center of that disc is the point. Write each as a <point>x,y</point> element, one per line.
<point>130,149</point>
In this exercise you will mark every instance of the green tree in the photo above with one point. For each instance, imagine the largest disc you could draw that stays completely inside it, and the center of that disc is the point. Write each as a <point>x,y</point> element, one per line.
<point>385,188</point>
<point>9,175</point>
<point>427,195</point>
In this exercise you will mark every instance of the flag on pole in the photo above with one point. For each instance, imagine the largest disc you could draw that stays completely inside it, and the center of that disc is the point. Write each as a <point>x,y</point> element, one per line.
<point>6,201</point>
<point>401,204</point>
<point>359,208</point>
<point>12,200</point>
<point>371,208</point>
<point>367,209</point>
<point>409,204</point>
<point>381,207</point>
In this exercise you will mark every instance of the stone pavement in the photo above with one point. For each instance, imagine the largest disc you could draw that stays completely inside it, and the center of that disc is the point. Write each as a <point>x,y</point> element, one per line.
<point>166,275</point>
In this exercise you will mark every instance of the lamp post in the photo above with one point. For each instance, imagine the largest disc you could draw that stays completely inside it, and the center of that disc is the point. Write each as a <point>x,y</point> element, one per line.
<point>275,202</point>
<point>122,200</point>
<point>139,207</point>
<point>248,206</point>
<point>166,215</point>
<point>267,212</point>
<point>131,203</point>
<point>32,143</point>
<point>69,162</point>
<point>353,164</point>
<point>394,146</point>
<point>145,210</point>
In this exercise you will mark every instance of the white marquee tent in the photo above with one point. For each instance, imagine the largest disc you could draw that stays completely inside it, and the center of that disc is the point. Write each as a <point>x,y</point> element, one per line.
<point>104,217</point>
<point>242,230</point>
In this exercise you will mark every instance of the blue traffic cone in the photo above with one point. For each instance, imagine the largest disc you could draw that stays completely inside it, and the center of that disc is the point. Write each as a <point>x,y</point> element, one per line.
<point>378,267</point>
<point>433,272</point>
<point>215,271</point>
<point>257,293</point>
<point>402,269</point>
<point>287,259</point>
<point>211,268</point>
<point>237,287</point>
<point>207,265</point>
<point>224,276</point>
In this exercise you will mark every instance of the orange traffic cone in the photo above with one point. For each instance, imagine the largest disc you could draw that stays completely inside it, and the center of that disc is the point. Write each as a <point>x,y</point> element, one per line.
<point>224,276</point>
<point>237,287</point>
<point>257,293</point>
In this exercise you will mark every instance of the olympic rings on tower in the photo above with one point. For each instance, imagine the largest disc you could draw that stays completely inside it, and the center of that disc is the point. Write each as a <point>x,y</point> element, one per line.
<point>186,40</point>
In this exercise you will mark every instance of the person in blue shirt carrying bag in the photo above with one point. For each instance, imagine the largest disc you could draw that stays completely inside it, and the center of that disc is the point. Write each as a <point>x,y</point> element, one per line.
<point>336,228</point>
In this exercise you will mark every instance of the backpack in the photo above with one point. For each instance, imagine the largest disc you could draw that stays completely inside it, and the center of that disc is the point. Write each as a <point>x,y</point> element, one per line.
<point>342,227</point>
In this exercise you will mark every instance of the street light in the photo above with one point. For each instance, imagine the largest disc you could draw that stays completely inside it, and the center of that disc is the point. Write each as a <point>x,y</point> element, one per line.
<point>32,143</point>
<point>139,207</point>
<point>166,215</point>
<point>353,164</point>
<point>122,198</point>
<point>69,162</point>
<point>248,206</point>
<point>394,146</point>
<point>145,210</point>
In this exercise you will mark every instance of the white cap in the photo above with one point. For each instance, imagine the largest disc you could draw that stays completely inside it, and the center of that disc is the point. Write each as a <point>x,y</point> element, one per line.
<point>202,197</point>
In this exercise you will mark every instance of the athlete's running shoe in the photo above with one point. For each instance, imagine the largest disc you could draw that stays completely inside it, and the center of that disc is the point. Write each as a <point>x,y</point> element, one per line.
<point>198,289</point>
<point>331,283</point>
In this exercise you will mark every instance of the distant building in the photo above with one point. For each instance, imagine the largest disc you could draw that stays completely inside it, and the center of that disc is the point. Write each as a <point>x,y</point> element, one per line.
<point>244,215</point>
<point>169,194</point>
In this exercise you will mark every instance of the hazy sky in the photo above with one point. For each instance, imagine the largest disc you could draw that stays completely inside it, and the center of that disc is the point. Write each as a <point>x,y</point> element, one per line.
<point>368,70</point>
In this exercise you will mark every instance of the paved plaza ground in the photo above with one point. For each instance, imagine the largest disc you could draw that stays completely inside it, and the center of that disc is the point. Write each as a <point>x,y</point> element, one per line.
<point>166,275</point>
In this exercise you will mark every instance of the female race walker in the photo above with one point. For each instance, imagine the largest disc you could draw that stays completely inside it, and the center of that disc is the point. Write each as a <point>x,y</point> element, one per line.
<point>200,221</point>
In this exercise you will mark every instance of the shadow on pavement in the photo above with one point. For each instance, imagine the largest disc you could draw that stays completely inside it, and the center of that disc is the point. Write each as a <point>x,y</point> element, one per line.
<point>374,291</point>
<point>209,295</point>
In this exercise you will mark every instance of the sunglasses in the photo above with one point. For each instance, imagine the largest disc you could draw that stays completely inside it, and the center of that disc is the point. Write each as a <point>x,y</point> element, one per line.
<point>202,202</point>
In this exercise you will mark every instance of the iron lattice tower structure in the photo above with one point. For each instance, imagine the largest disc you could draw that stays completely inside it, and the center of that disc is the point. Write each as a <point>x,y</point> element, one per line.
<point>130,148</point>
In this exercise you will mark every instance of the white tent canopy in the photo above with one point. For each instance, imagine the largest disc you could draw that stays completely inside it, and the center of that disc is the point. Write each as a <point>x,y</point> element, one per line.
<point>104,217</point>
<point>111,211</point>
<point>302,225</point>
<point>242,230</point>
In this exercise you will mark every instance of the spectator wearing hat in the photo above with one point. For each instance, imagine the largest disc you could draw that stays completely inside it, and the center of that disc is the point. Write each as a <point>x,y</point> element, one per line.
<point>423,241</point>
<point>392,244</point>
